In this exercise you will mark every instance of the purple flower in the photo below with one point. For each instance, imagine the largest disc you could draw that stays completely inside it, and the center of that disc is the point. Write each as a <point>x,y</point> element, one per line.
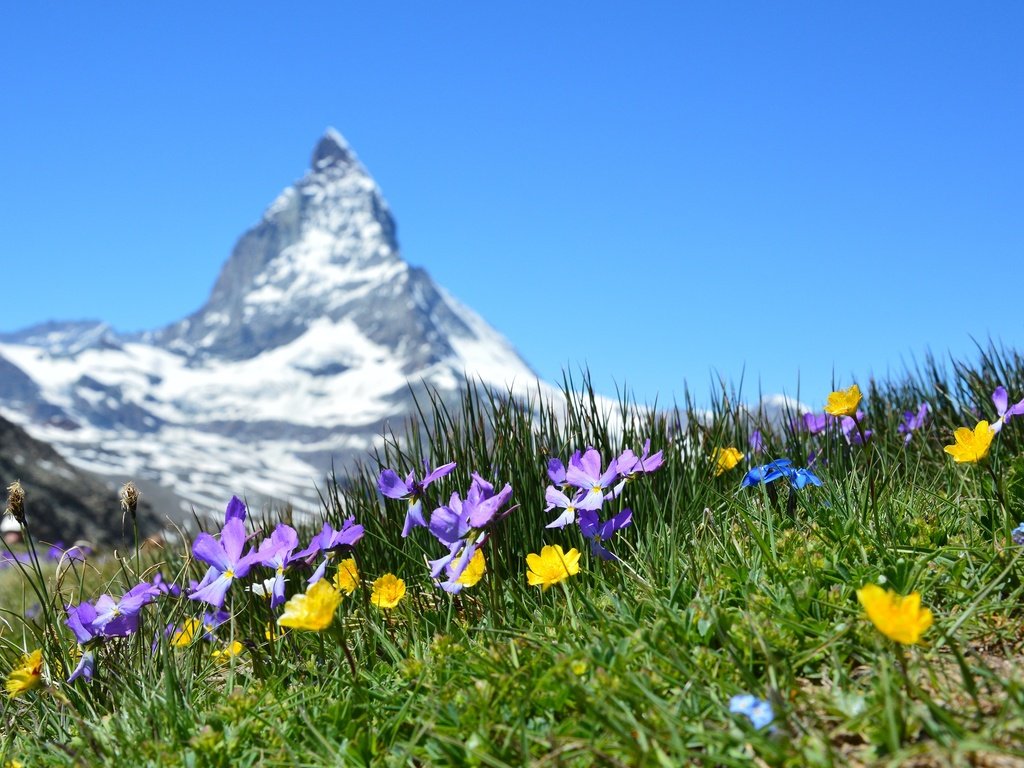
<point>462,525</point>
<point>164,587</point>
<point>1006,411</point>
<point>585,473</point>
<point>848,425</point>
<point>454,564</point>
<point>86,666</point>
<point>556,471</point>
<point>392,486</point>
<point>327,541</point>
<point>118,618</point>
<point>913,422</point>
<point>558,500</point>
<point>815,423</point>
<point>598,532</point>
<point>756,441</point>
<point>80,620</point>
<point>225,560</point>
<point>629,465</point>
<point>276,553</point>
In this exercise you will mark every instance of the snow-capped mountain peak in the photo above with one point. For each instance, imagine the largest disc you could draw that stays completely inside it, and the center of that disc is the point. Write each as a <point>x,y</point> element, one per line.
<point>307,344</point>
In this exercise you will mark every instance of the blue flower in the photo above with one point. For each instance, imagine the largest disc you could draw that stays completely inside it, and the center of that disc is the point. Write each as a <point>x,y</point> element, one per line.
<point>769,473</point>
<point>1017,534</point>
<point>758,711</point>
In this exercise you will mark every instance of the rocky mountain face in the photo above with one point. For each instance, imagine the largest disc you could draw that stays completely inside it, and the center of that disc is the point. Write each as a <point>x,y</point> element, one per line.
<point>305,348</point>
<point>62,502</point>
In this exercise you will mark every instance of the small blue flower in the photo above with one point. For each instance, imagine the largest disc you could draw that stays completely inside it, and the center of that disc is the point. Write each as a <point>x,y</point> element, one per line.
<point>1017,534</point>
<point>758,711</point>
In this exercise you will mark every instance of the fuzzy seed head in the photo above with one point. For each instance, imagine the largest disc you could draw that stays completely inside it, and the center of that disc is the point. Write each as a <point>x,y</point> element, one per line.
<point>16,501</point>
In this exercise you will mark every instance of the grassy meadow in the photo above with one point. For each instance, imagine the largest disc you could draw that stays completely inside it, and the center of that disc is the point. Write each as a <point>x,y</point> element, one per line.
<point>718,591</point>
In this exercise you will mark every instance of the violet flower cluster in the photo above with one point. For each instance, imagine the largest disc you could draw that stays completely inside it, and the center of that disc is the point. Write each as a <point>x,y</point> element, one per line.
<point>462,525</point>
<point>580,489</point>
<point>230,557</point>
<point>92,623</point>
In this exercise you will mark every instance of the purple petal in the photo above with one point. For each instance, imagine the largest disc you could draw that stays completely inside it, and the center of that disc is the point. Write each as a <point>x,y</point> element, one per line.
<point>438,473</point>
<point>349,535</point>
<point>209,550</point>
<point>86,667</point>
<point>232,539</point>
<point>317,574</point>
<point>214,592</point>
<point>487,509</point>
<point>564,519</point>
<point>1000,400</point>
<point>235,510</point>
<point>555,498</point>
<point>446,525</point>
<point>392,486</point>
<point>413,518</point>
<point>80,619</point>
<point>556,471</point>
<point>589,522</point>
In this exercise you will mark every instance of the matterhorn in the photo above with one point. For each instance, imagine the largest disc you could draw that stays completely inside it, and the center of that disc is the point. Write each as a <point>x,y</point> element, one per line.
<point>314,337</point>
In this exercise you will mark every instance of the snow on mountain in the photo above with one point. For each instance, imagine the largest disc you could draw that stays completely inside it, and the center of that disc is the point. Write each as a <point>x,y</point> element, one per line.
<point>306,346</point>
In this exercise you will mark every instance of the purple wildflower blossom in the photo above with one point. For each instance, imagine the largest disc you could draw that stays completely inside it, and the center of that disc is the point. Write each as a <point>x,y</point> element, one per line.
<point>558,500</point>
<point>598,532</point>
<point>327,541</point>
<point>556,471</point>
<point>630,465</point>
<point>225,559</point>
<point>119,618</point>
<point>815,423</point>
<point>392,486</point>
<point>277,553</point>
<point>1006,411</point>
<point>913,421</point>
<point>585,473</point>
<point>462,525</point>
<point>86,666</point>
<point>848,425</point>
<point>756,441</point>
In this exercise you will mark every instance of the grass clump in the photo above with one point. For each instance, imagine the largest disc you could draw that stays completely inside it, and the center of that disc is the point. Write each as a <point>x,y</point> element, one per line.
<point>712,617</point>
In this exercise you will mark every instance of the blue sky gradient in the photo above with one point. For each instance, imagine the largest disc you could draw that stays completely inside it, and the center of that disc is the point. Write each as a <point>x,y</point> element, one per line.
<point>661,191</point>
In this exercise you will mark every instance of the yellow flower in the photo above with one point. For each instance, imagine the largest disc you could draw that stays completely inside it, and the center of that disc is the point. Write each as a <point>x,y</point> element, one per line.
<point>346,579</point>
<point>228,651</point>
<point>187,633</point>
<point>726,459</point>
<point>474,571</point>
<point>551,566</point>
<point>388,590</point>
<point>971,446</point>
<point>313,610</point>
<point>844,402</point>
<point>27,676</point>
<point>899,618</point>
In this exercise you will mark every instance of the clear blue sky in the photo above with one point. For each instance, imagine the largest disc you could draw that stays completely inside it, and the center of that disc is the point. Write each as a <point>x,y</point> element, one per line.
<point>658,190</point>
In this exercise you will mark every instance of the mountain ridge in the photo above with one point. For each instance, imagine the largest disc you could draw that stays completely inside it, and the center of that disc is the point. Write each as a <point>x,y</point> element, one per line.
<point>304,349</point>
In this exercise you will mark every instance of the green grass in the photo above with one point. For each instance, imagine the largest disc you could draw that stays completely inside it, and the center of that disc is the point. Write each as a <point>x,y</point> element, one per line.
<point>721,591</point>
